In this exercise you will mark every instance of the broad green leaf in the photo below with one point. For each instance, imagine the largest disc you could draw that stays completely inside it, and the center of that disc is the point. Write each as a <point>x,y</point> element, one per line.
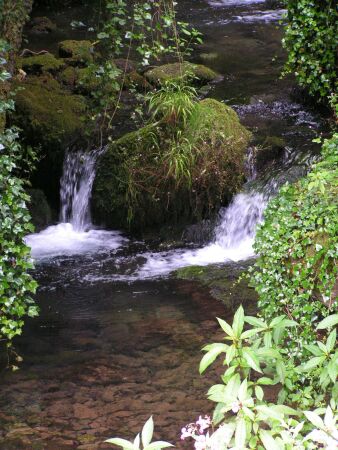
<point>238,322</point>
<point>286,410</point>
<point>269,442</point>
<point>137,442</point>
<point>265,381</point>
<point>259,393</point>
<point>255,321</point>
<point>218,415</point>
<point>331,341</point>
<point>332,369</point>
<point>243,391</point>
<point>268,353</point>
<point>314,419</point>
<point>121,443</point>
<point>226,327</point>
<point>276,321</point>
<point>314,349</point>
<point>147,432</point>
<point>311,364</point>
<point>251,359</point>
<point>281,371</point>
<point>249,333</point>
<point>231,354</point>
<point>240,434</point>
<point>209,358</point>
<point>328,322</point>
<point>268,412</point>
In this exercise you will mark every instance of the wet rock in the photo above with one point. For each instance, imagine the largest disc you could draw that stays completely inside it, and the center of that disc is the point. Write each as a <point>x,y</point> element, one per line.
<point>200,74</point>
<point>46,114</point>
<point>270,150</point>
<point>42,25</point>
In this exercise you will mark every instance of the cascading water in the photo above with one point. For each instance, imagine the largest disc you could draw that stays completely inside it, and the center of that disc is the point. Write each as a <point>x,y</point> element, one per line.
<point>76,186</point>
<point>233,241</point>
<point>75,233</point>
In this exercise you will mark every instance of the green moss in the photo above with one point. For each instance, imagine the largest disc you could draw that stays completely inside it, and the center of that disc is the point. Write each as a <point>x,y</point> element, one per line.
<point>69,76</point>
<point>200,74</point>
<point>41,64</point>
<point>87,81</point>
<point>46,113</point>
<point>76,52</point>
<point>133,175</point>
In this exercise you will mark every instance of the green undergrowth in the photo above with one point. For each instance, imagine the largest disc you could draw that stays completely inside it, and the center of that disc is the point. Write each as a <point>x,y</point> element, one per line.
<point>311,43</point>
<point>296,273</point>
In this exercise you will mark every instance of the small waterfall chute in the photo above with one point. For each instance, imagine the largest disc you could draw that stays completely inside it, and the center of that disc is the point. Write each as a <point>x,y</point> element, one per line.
<point>76,186</point>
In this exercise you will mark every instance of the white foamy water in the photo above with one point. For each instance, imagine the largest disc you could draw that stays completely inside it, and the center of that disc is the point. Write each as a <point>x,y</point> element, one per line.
<point>261,16</point>
<point>235,2</point>
<point>64,240</point>
<point>234,238</point>
<point>75,234</point>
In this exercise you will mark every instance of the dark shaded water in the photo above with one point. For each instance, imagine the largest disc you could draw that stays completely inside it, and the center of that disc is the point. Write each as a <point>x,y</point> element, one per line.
<point>104,355</point>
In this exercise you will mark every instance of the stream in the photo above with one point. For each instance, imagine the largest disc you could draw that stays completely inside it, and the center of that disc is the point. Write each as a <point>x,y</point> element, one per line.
<point>119,335</point>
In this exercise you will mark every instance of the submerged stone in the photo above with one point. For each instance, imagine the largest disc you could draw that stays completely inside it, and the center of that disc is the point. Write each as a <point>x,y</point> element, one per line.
<point>222,281</point>
<point>136,185</point>
<point>199,74</point>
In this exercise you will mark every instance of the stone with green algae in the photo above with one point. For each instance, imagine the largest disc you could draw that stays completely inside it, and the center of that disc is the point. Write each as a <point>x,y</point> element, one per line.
<point>217,142</point>
<point>198,73</point>
<point>48,114</point>
<point>76,52</point>
<point>38,64</point>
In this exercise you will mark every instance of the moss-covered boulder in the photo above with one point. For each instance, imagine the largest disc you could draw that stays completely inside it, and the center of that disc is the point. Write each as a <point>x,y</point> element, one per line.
<point>39,64</point>
<point>46,113</point>
<point>138,182</point>
<point>51,119</point>
<point>76,52</point>
<point>39,209</point>
<point>199,74</point>
<point>69,76</point>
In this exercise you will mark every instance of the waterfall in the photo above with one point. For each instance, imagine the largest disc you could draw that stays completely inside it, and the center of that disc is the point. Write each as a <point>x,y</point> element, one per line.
<point>75,188</point>
<point>238,222</point>
<point>233,239</point>
<point>75,234</point>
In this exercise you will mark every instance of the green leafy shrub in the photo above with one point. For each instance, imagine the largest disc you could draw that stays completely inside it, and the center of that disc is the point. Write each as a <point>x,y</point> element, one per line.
<point>296,273</point>
<point>16,284</point>
<point>310,40</point>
